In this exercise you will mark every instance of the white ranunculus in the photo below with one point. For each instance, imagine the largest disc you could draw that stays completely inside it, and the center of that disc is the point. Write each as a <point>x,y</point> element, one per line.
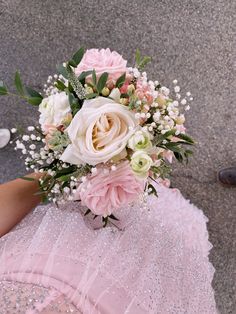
<point>53,110</point>
<point>141,163</point>
<point>98,132</point>
<point>140,140</point>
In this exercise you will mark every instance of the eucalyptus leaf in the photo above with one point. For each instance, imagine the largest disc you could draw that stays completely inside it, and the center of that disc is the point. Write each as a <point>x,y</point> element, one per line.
<point>18,84</point>
<point>102,81</point>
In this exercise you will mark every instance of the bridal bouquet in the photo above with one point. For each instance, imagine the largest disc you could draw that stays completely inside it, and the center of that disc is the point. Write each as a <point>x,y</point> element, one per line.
<point>106,132</point>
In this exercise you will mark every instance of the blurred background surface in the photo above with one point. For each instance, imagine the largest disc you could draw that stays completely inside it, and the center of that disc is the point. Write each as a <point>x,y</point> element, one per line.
<point>192,41</point>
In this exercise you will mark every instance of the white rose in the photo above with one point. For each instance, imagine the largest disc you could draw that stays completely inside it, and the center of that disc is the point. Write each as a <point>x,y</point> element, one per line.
<point>140,163</point>
<point>98,132</point>
<point>53,110</point>
<point>141,140</point>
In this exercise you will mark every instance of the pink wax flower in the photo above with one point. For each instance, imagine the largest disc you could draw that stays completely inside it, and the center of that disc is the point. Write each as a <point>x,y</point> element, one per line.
<point>144,91</point>
<point>106,191</point>
<point>168,155</point>
<point>103,60</point>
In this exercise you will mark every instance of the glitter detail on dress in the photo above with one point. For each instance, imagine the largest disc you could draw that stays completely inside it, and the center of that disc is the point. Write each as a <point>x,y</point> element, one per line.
<point>155,264</point>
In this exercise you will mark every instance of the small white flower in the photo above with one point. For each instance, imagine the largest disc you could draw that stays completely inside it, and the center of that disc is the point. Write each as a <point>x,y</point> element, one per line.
<point>143,115</point>
<point>31,128</point>
<point>177,89</point>
<point>156,116</point>
<point>32,146</point>
<point>94,170</point>
<point>165,91</point>
<point>33,137</point>
<point>183,101</point>
<point>178,96</point>
<point>136,73</point>
<point>188,94</point>
<point>175,82</point>
<point>25,138</point>
<point>13,130</point>
<point>66,189</point>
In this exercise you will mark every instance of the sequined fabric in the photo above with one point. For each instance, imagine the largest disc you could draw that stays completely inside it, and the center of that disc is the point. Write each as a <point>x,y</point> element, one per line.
<point>155,262</point>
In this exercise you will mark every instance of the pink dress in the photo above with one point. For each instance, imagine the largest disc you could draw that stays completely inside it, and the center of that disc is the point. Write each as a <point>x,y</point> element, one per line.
<point>156,262</point>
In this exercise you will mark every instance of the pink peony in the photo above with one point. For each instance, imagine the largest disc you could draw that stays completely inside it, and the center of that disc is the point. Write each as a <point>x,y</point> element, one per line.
<point>107,191</point>
<point>101,61</point>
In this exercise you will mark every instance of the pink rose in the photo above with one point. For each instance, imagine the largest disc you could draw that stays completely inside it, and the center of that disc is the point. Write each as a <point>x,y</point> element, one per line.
<point>106,191</point>
<point>101,61</point>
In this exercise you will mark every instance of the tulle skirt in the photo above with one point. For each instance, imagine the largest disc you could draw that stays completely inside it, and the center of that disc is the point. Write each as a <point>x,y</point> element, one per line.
<point>154,261</point>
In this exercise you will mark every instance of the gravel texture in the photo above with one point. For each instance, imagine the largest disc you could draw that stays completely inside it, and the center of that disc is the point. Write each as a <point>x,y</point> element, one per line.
<point>193,41</point>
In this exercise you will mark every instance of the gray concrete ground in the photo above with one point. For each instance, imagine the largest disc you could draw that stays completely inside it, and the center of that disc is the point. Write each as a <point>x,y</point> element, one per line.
<point>193,41</point>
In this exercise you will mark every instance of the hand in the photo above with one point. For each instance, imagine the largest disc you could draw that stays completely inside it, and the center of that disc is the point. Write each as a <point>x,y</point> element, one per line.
<point>17,200</point>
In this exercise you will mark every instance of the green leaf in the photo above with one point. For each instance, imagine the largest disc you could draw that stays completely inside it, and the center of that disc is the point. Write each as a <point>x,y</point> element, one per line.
<point>141,62</point>
<point>60,85</point>
<point>84,74</point>
<point>62,70</point>
<point>137,57</point>
<point>77,57</point>
<point>87,212</point>
<point>74,104</point>
<point>152,190</point>
<point>105,221</point>
<point>178,156</point>
<point>144,62</point>
<point>65,171</point>
<point>94,78</point>
<point>27,179</point>
<point>173,147</point>
<point>102,81</point>
<point>18,84</point>
<point>92,95</point>
<point>161,137</point>
<point>186,138</point>
<point>113,217</point>
<point>120,80</point>
<point>72,63</point>
<point>3,89</point>
<point>35,101</point>
<point>32,93</point>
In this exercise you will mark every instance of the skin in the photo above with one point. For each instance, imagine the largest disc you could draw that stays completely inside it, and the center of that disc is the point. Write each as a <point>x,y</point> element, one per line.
<point>17,199</point>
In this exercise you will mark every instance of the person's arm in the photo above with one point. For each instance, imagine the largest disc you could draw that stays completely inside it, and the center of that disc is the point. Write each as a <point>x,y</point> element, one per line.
<point>17,198</point>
